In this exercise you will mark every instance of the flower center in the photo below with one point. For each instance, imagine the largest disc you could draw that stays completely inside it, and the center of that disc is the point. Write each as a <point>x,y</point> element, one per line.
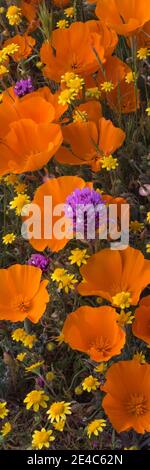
<point>137,404</point>
<point>23,304</point>
<point>58,409</point>
<point>122,300</point>
<point>101,345</point>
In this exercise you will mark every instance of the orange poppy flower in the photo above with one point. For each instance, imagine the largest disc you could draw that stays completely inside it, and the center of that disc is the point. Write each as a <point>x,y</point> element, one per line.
<point>72,50</point>
<point>123,98</point>
<point>51,98</point>
<point>28,146</point>
<point>124,16</point>
<point>94,331</point>
<point>89,143</point>
<point>30,106</point>
<point>22,294</point>
<point>109,38</point>
<point>59,189</point>
<point>143,37</point>
<point>25,43</point>
<point>118,276</point>
<point>141,324</point>
<point>127,402</point>
<point>29,9</point>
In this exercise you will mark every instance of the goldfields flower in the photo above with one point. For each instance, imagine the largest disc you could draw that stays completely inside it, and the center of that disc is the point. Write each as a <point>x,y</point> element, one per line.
<point>101,368</point>
<point>9,238</point>
<point>109,163</point>
<point>93,93</point>
<point>69,12</point>
<point>148,248</point>
<point>107,87</point>
<point>60,425</point>
<point>42,439</point>
<point>19,202</point>
<point>148,217</point>
<point>130,77</point>
<point>78,257</point>
<point>6,428</point>
<point>80,116</point>
<point>58,411</point>
<point>3,409</point>
<point>67,96</point>
<point>50,376</point>
<point>125,318</point>
<point>122,300</point>
<point>143,53</point>
<point>20,187</point>
<point>18,335</point>
<point>60,338</point>
<point>35,399</point>
<point>29,341</point>
<point>90,383</point>
<point>3,70</point>
<point>136,226</point>
<point>65,280</point>
<point>21,356</point>
<point>95,427</point>
<point>11,180</point>
<point>62,24</point>
<point>140,357</point>
<point>13,15</point>
<point>34,366</point>
<point>148,111</point>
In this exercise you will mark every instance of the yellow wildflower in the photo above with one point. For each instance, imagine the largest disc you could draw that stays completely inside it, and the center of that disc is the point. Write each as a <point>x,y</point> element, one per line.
<point>95,427</point>
<point>78,257</point>
<point>90,383</point>
<point>6,428</point>
<point>109,163</point>
<point>19,202</point>
<point>58,411</point>
<point>42,439</point>
<point>3,409</point>
<point>35,399</point>
<point>122,300</point>
<point>13,15</point>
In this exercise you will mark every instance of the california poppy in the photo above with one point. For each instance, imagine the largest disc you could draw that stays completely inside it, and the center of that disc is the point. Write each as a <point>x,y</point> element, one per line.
<point>25,43</point>
<point>124,16</point>
<point>86,144</point>
<point>32,106</point>
<point>51,98</point>
<point>118,276</point>
<point>29,9</point>
<point>28,146</point>
<point>23,294</point>
<point>72,50</point>
<point>94,331</point>
<point>127,400</point>
<point>143,36</point>
<point>141,324</point>
<point>109,38</point>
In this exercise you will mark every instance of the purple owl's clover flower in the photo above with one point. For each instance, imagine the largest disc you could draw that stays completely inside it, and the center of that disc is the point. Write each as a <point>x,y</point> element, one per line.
<point>85,203</point>
<point>39,261</point>
<point>23,87</point>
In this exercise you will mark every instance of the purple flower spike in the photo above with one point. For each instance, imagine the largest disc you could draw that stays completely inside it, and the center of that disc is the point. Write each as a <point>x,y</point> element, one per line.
<point>23,87</point>
<point>76,207</point>
<point>40,261</point>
